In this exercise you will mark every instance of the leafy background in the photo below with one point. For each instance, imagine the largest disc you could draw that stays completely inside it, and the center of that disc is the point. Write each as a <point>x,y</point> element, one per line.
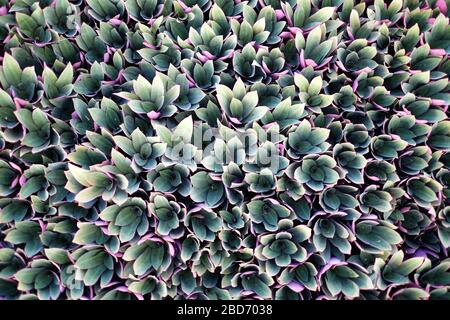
<point>105,193</point>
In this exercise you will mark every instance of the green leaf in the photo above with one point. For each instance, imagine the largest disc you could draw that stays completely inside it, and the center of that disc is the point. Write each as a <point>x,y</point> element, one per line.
<point>184,130</point>
<point>11,69</point>
<point>89,194</point>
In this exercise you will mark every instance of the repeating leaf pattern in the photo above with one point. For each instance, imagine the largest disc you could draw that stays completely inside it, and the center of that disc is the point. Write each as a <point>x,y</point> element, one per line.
<point>221,149</point>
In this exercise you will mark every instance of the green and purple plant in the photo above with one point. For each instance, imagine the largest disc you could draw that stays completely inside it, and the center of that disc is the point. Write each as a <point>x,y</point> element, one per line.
<point>212,149</point>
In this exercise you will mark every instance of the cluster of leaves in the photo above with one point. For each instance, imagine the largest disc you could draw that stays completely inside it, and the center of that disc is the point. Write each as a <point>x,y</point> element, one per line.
<point>106,191</point>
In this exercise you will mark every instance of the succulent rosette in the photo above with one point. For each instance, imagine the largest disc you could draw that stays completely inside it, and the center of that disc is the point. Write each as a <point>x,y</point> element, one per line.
<point>316,172</point>
<point>424,191</point>
<point>224,152</point>
<point>21,83</point>
<point>376,236</point>
<point>280,249</point>
<point>234,218</point>
<point>338,198</point>
<point>309,87</point>
<point>155,99</point>
<point>150,253</point>
<point>246,65</point>
<point>383,200</point>
<point>179,149</point>
<point>207,189</point>
<point>93,265</point>
<point>307,140</point>
<point>381,171</point>
<point>412,219</point>
<point>99,183</point>
<point>249,280</point>
<point>206,79</point>
<point>232,150</point>
<point>357,56</point>
<point>211,46</point>
<point>40,135</point>
<point>349,160</point>
<point>299,276</point>
<point>95,234</point>
<point>170,179</point>
<point>416,159</point>
<point>203,223</point>
<point>143,150</point>
<point>239,105</point>
<point>387,147</point>
<point>168,214</point>
<point>408,129</point>
<point>332,236</point>
<point>42,277</point>
<point>27,235</point>
<point>396,270</point>
<point>358,136</point>
<point>266,214</point>
<point>344,278</point>
<point>126,220</point>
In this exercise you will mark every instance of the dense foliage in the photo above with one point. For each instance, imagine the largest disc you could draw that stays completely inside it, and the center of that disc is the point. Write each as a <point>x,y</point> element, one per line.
<point>219,149</point>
